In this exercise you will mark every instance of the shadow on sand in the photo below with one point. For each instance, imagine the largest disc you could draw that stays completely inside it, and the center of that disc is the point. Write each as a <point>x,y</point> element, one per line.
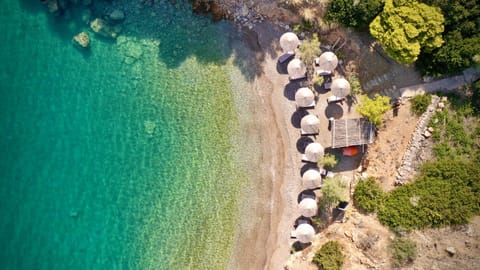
<point>302,143</point>
<point>297,117</point>
<point>345,163</point>
<point>334,110</point>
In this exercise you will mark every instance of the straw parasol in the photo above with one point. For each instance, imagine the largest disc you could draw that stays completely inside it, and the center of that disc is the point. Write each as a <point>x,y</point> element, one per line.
<point>314,152</point>
<point>305,233</point>
<point>308,207</point>
<point>312,179</point>
<point>327,61</point>
<point>340,87</point>
<point>296,68</point>
<point>310,124</point>
<point>305,97</point>
<point>289,42</point>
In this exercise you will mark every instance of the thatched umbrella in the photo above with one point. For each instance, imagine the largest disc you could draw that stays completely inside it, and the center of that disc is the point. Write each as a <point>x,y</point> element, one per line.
<point>305,233</point>
<point>310,124</point>
<point>340,87</point>
<point>327,61</point>
<point>314,152</point>
<point>308,207</point>
<point>312,179</point>
<point>289,42</point>
<point>296,69</point>
<point>305,97</point>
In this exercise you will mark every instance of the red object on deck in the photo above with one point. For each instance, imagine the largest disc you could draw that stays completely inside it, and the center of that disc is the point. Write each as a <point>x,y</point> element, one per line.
<point>350,151</point>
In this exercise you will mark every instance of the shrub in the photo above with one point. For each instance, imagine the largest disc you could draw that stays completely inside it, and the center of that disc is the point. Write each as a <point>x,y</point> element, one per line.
<point>328,161</point>
<point>318,80</point>
<point>310,49</point>
<point>420,104</point>
<point>403,251</point>
<point>368,195</point>
<point>373,109</point>
<point>355,86</point>
<point>333,191</point>
<point>330,256</point>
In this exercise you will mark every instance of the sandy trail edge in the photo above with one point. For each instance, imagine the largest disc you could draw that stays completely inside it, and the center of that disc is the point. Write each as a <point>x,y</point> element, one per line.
<point>262,241</point>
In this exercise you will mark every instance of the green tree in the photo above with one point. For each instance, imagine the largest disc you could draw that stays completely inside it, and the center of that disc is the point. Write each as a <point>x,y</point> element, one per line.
<point>403,251</point>
<point>368,195</point>
<point>333,191</point>
<point>309,50</point>
<point>330,256</point>
<point>405,28</point>
<point>353,13</point>
<point>373,109</point>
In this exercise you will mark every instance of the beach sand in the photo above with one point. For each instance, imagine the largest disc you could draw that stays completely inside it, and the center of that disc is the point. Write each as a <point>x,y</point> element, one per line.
<point>270,209</point>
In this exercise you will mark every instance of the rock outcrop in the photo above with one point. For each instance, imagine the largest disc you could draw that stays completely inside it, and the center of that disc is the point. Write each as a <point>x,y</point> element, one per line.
<point>102,28</point>
<point>82,40</point>
<point>117,15</point>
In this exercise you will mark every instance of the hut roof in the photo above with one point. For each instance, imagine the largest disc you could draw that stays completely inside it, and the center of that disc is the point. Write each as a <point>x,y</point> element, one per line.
<point>347,132</point>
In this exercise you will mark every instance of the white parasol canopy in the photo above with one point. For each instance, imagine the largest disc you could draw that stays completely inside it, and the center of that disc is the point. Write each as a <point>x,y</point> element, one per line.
<point>312,179</point>
<point>305,97</point>
<point>310,124</point>
<point>296,69</point>
<point>340,87</point>
<point>327,61</point>
<point>289,42</point>
<point>305,233</point>
<point>308,207</point>
<point>314,152</point>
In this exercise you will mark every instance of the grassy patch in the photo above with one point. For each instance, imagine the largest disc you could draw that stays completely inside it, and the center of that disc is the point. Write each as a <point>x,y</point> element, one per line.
<point>368,195</point>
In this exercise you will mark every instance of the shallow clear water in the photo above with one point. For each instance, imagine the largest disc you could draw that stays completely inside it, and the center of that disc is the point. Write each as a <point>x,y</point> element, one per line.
<point>122,157</point>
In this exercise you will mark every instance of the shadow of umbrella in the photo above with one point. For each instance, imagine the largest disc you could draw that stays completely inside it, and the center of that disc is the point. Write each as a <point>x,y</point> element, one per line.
<point>291,89</point>
<point>297,117</point>
<point>282,67</point>
<point>302,143</point>
<point>308,193</point>
<point>334,110</point>
<point>306,167</point>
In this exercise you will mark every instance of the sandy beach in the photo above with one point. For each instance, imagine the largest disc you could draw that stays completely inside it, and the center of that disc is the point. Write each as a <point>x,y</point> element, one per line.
<point>263,239</point>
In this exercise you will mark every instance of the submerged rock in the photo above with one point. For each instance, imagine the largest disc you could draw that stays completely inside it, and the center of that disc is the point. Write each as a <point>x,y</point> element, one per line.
<point>149,126</point>
<point>102,28</point>
<point>52,5</point>
<point>82,39</point>
<point>117,15</point>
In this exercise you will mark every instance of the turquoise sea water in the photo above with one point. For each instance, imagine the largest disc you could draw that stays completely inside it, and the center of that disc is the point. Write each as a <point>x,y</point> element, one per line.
<point>122,157</point>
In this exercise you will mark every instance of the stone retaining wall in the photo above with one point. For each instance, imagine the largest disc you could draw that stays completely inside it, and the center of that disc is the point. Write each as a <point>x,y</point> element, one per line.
<point>406,171</point>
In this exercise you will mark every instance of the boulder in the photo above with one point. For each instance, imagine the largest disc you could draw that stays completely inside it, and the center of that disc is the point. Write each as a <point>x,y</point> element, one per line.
<point>427,134</point>
<point>117,15</point>
<point>102,28</point>
<point>451,251</point>
<point>82,40</point>
<point>52,5</point>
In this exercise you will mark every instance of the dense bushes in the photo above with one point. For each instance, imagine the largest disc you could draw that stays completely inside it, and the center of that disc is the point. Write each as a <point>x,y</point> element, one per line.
<point>351,13</point>
<point>374,109</point>
<point>420,103</point>
<point>368,195</point>
<point>330,256</point>
<point>461,36</point>
<point>445,193</point>
<point>403,250</point>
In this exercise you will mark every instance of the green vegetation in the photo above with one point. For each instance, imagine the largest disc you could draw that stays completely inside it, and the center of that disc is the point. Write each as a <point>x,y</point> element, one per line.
<point>368,195</point>
<point>352,13</point>
<point>330,256</point>
<point>461,35</point>
<point>420,104</point>
<point>328,161</point>
<point>445,193</point>
<point>405,28</point>
<point>310,49</point>
<point>318,80</point>
<point>403,251</point>
<point>373,109</point>
<point>447,190</point>
<point>333,191</point>
<point>355,86</point>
